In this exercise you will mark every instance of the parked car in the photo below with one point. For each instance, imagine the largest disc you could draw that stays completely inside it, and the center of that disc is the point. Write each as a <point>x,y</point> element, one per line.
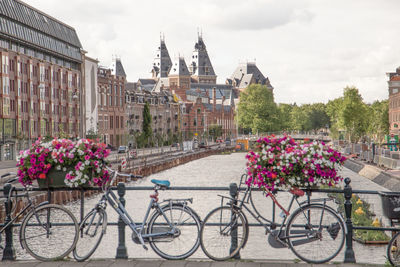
<point>110,147</point>
<point>122,149</point>
<point>219,140</point>
<point>202,145</point>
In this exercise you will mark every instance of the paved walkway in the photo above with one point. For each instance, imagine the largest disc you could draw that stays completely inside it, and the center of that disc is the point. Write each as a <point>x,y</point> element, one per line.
<point>164,263</point>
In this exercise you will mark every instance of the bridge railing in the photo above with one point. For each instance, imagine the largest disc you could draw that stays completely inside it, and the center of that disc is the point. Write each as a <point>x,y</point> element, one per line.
<point>233,189</point>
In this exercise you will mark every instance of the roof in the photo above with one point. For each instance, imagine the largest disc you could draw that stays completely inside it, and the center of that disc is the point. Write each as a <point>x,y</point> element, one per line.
<point>201,63</point>
<point>162,62</point>
<point>247,73</point>
<point>395,78</point>
<point>21,21</point>
<point>179,67</point>
<point>117,68</point>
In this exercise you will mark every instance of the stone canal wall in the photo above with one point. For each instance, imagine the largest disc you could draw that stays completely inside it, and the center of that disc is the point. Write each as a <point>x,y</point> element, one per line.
<point>144,169</point>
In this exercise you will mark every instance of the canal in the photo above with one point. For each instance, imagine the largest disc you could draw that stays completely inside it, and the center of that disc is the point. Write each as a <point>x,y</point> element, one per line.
<point>220,171</point>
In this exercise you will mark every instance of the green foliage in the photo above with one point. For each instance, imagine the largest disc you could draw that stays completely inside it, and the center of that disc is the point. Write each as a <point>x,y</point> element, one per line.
<point>379,120</point>
<point>215,131</point>
<point>92,134</point>
<point>147,130</point>
<point>364,219</point>
<point>285,111</point>
<point>257,109</point>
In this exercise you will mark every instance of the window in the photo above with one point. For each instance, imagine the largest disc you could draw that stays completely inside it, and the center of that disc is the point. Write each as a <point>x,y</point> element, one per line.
<point>111,122</point>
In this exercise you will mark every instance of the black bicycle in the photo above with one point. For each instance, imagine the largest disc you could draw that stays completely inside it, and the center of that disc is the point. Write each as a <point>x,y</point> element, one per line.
<point>172,230</point>
<point>314,232</point>
<point>48,231</point>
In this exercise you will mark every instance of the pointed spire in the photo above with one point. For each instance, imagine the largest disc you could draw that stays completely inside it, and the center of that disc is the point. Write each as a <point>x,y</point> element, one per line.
<point>201,63</point>
<point>162,62</point>
<point>179,67</point>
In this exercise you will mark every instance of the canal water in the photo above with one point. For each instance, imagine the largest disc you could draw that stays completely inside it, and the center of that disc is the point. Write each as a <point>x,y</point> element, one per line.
<point>218,171</point>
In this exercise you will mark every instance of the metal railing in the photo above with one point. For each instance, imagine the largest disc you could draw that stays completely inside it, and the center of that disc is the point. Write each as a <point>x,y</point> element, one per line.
<point>121,252</point>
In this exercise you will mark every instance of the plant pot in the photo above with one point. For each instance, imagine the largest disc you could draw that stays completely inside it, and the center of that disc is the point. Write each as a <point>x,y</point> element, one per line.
<point>54,179</point>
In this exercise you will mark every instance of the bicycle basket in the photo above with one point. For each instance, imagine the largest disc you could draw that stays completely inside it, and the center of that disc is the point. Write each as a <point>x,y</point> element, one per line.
<point>391,204</point>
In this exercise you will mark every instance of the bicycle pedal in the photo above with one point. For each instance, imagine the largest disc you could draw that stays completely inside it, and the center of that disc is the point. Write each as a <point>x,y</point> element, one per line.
<point>145,247</point>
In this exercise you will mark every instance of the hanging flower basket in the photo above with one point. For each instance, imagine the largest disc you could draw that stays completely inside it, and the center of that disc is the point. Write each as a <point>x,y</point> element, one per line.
<point>63,162</point>
<point>281,163</point>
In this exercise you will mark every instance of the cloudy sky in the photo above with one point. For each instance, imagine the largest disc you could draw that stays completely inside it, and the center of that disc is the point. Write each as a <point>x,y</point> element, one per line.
<point>309,49</point>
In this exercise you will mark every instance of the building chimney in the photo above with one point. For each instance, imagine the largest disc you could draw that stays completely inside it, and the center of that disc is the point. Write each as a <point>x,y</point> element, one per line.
<point>214,96</point>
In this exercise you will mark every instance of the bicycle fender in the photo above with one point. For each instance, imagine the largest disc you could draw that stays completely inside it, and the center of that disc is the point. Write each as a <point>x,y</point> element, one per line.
<point>183,206</point>
<point>42,204</point>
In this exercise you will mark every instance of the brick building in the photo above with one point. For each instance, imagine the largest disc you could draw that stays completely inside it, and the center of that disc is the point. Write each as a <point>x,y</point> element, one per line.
<point>394,101</point>
<point>41,60</point>
<point>111,104</point>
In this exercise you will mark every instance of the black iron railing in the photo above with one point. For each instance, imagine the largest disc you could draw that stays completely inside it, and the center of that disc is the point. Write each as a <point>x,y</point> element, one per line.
<point>233,190</point>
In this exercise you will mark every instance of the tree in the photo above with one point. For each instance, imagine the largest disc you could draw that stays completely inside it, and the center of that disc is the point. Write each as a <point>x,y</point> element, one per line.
<point>215,131</point>
<point>318,116</point>
<point>257,109</point>
<point>333,110</point>
<point>285,111</point>
<point>379,120</point>
<point>147,130</point>
<point>355,114</point>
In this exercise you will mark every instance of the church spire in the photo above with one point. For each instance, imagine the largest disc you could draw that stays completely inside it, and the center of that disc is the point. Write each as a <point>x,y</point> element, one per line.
<point>162,62</point>
<point>201,67</point>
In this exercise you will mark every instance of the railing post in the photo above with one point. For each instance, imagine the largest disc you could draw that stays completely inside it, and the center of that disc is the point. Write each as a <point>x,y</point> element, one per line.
<point>373,151</point>
<point>121,249</point>
<point>233,191</point>
<point>349,253</point>
<point>9,250</point>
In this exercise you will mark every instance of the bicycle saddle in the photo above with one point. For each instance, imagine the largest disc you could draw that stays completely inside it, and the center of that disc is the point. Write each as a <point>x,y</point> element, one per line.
<point>163,183</point>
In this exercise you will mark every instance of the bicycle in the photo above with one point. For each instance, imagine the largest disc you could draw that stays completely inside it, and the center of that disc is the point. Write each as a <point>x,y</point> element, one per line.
<point>314,232</point>
<point>172,230</point>
<point>48,231</point>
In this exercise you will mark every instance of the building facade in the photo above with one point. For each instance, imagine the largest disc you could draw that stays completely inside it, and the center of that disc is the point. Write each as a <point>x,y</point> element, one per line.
<point>394,101</point>
<point>41,61</point>
<point>111,104</point>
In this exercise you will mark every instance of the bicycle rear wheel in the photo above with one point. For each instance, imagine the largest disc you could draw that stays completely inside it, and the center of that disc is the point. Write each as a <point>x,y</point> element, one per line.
<point>49,232</point>
<point>186,239</point>
<point>91,232</point>
<point>223,233</point>
<point>315,233</point>
<point>393,250</point>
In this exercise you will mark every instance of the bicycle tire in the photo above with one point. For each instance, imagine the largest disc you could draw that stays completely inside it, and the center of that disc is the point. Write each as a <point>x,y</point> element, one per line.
<point>325,245</point>
<point>188,234</point>
<point>57,243</point>
<point>393,250</point>
<point>216,243</point>
<point>91,231</point>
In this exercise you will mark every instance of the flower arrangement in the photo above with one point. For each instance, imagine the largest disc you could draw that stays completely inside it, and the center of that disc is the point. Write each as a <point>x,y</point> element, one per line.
<point>83,159</point>
<point>281,163</point>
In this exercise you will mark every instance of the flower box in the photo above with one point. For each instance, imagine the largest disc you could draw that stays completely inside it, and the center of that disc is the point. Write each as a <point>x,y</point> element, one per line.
<point>63,162</point>
<point>282,163</point>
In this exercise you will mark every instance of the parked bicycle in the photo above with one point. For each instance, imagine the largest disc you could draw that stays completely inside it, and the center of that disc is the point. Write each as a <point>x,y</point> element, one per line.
<point>48,231</point>
<point>315,232</point>
<point>172,230</point>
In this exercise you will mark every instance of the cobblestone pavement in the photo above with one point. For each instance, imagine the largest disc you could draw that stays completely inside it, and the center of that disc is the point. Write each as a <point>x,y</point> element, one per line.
<point>163,263</point>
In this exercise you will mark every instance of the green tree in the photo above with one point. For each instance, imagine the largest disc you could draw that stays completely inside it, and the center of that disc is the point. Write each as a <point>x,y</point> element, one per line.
<point>285,118</point>
<point>257,109</point>
<point>147,130</point>
<point>355,114</point>
<point>333,109</point>
<point>215,131</point>
<point>379,120</point>
<point>318,116</point>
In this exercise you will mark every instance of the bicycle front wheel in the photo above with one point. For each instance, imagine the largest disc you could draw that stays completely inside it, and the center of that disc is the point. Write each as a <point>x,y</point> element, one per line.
<point>393,250</point>
<point>223,233</point>
<point>185,225</point>
<point>49,232</point>
<point>315,233</point>
<point>91,232</point>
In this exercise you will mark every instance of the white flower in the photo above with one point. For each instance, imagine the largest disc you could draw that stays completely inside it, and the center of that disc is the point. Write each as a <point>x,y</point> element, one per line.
<point>64,169</point>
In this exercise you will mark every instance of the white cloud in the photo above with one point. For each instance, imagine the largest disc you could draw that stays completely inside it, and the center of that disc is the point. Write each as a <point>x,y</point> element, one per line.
<point>310,49</point>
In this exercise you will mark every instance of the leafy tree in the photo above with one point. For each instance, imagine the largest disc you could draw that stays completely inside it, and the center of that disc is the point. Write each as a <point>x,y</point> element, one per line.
<point>257,109</point>
<point>147,130</point>
<point>285,111</point>
<point>215,131</point>
<point>318,116</point>
<point>379,120</point>
<point>333,109</point>
<point>355,114</point>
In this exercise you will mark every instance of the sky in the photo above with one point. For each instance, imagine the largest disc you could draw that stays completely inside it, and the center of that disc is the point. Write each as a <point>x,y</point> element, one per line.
<point>309,49</point>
